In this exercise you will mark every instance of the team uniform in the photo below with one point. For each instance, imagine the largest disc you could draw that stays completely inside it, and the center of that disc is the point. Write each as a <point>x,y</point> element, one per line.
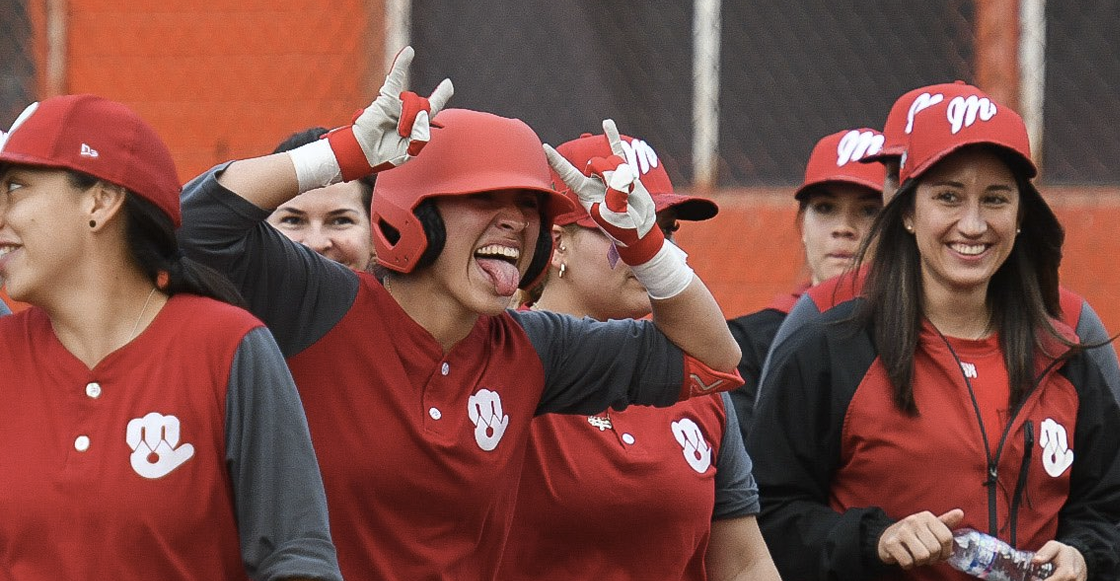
<point>754,333</point>
<point>1076,313</point>
<point>837,462</point>
<point>420,451</point>
<point>161,461</point>
<point>628,494</point>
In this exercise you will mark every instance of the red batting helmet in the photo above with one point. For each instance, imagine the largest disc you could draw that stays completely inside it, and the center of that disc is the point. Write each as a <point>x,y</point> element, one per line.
<point>469,152</point>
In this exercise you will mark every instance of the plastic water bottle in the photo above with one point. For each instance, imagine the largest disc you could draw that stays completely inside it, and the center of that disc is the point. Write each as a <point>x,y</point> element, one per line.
<point>987,557</point>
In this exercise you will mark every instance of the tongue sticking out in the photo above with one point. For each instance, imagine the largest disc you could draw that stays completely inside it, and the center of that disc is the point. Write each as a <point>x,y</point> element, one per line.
<point>503,274</point>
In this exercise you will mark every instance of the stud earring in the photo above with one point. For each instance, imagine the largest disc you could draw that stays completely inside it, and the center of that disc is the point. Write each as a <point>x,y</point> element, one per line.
<point>909,228</point>
<point>93,223</point>
<point>1018,231</point>
<point>563,267</point>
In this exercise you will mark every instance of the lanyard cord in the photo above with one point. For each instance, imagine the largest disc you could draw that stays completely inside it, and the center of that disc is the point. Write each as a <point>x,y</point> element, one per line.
<point>993,469</point>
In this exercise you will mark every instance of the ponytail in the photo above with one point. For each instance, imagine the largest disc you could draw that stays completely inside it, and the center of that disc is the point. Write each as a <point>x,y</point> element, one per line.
<point>152,243</point>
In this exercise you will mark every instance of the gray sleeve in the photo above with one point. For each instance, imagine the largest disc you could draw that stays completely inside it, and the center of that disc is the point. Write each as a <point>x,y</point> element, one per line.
<point>1090,329</point>
<point>299,294</point>
<point>804,311</point>
<point>736,490</point>
<point>4,310</point>
<point>592,365</point>
<point>278,491</point>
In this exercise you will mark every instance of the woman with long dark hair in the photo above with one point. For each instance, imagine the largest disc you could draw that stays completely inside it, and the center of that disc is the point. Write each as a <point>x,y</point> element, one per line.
<point>951,395</point>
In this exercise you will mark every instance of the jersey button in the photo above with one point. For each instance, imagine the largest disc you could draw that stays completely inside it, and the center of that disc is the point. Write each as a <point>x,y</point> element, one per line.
<point>628,438</point>
<point>81,443</point>
<point>445,369</point>
<point>93,390</point>
<point>434,412</point>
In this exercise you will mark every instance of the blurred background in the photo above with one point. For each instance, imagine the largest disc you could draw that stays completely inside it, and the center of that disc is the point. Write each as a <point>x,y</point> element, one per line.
<point>732,95</point>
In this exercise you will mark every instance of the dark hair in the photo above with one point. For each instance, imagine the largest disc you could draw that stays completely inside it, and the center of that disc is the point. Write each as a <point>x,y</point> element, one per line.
<point>150,236</point>
<point>1022,294</point>
<point>436,232</point>
<point>301,138</point>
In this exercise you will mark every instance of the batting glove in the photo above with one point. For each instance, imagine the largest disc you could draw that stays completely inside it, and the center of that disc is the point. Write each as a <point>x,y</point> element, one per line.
<point>610,191</point>
<point>393,129</point>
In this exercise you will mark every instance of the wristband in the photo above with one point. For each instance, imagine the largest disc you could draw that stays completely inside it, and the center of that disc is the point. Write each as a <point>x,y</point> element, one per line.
<point>316,165</point>
<point>699,379</point>
<point>666,275</point>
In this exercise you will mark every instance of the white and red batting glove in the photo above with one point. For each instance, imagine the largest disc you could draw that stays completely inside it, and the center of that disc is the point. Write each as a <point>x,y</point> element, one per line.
<point>624,210</point>
<point>393,129</point>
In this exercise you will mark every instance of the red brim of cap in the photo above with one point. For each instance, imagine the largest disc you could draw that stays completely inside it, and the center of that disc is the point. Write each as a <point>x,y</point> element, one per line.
<point>804,190</point>
<point>883,156</point>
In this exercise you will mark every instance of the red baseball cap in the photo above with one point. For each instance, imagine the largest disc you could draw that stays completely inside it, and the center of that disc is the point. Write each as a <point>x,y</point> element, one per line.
<point>896,130</point>
<point>99,137</point>
<point>959,121</point>
<point>837,157</point>
<point>651,171</point>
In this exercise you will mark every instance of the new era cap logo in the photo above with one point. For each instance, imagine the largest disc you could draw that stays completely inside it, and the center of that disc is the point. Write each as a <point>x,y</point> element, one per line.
<point>856,145</point>
<point>88,151</point>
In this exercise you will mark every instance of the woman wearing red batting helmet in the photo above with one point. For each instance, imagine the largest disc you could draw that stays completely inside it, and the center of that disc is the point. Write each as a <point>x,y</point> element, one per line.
<point>951,395</point>
<point>150,430</point>
<point>837,201</point>
<point>640,493</point>
<point>419,385</point>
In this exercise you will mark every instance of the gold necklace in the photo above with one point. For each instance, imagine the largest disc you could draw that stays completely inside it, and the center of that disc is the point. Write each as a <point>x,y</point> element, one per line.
<point>141,315</point>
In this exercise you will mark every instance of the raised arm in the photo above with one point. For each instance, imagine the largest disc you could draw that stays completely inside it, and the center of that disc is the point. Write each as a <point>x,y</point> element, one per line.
<point>386,134</point>
<point>683,308</point>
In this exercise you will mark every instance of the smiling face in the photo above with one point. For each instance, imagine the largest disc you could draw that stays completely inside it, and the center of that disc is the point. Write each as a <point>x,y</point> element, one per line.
<point>332,221</point>
<point>966,212</point>
<point>835,219</point>
<point>40,230</point>
<point>491,237</point>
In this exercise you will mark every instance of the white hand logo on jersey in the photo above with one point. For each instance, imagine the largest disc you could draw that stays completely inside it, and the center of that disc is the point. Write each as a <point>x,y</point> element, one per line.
<point>153,439</point>
<point>696,451</point>
<point>485,411</point>
<point>1056,455</point>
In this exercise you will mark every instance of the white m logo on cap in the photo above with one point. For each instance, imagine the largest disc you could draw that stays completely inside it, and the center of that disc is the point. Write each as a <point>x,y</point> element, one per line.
<point>963,111</point>
<point>640,156</point>
<point>921,102</point>
<point>856,145</point>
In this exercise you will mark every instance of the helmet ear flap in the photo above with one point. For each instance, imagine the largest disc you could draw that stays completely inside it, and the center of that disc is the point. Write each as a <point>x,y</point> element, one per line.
<point>434,230</point>
<point>541,256</point>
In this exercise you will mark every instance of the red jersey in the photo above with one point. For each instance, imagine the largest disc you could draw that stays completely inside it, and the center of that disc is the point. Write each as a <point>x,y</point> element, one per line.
<point>118,472</point>
<point>628,494</point>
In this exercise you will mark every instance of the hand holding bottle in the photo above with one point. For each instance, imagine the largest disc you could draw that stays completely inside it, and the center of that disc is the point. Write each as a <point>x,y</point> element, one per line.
<point>919,539</point>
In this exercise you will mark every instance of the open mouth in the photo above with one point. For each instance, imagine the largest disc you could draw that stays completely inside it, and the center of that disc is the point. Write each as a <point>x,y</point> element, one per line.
<point>500,265</point>
<point>968,249</point>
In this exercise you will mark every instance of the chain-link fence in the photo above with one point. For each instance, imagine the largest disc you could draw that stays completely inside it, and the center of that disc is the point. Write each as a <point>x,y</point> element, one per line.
<point>17,69</point>
<point>790,72</point>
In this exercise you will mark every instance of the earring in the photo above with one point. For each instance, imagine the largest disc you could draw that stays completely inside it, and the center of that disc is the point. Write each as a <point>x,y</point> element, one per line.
<point>562,249</point>
<point>1018,231</point>
<point>93,223</point>
<point>909,228</point>
<point>563,267</point>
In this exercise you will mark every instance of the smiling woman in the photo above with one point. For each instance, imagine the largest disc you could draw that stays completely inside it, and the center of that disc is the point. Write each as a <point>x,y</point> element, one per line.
<point>333,220</point>
<point>950,395</point>
<point>418,383</point>
<point>141,407</point>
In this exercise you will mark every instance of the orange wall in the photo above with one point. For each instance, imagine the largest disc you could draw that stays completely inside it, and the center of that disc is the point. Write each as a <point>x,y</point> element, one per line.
<point>226,78</point>
<point>751,251</point>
